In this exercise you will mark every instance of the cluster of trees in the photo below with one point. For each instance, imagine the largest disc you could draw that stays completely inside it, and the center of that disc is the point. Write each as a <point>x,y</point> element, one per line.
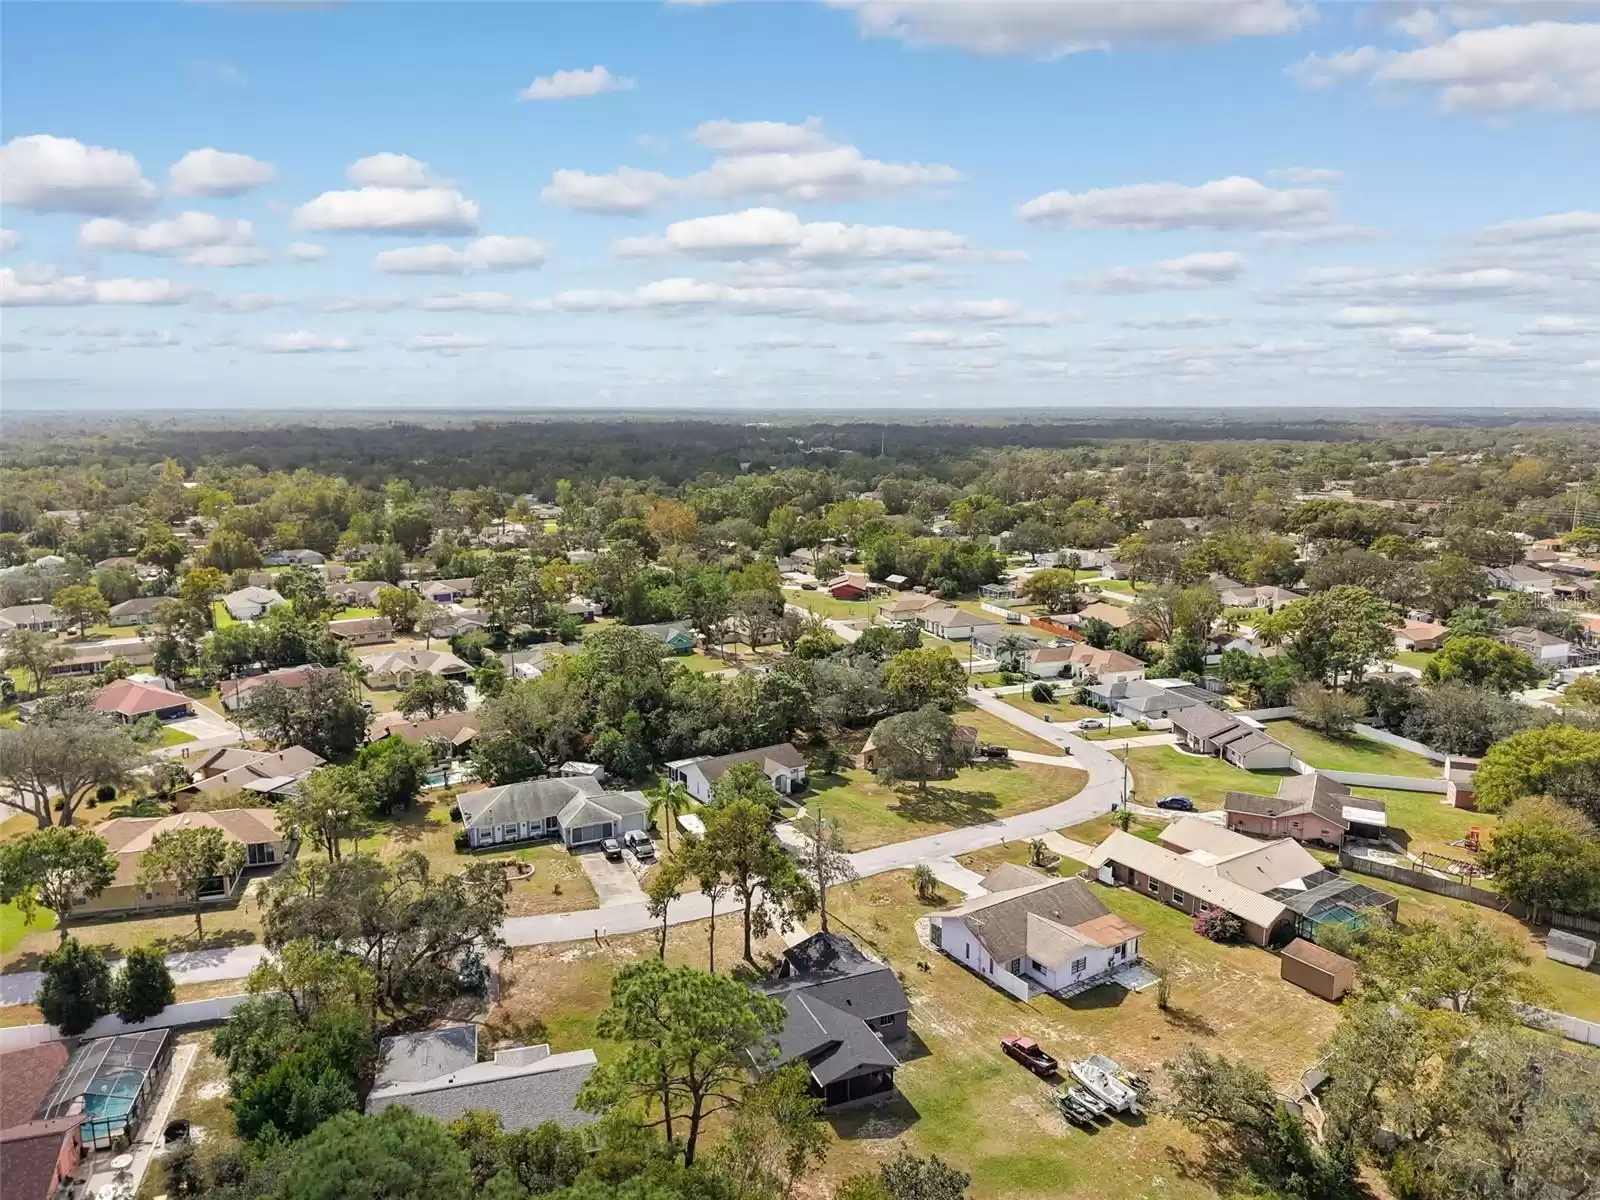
<point>1433,1080</point>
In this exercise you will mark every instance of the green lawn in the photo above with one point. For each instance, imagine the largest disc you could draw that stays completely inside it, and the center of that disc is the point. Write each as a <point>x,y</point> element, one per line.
<point>350,614</point>
<point>700,662</point>
<point>1058,711</point>
<point>871,813</point>
<point>1097,829</point>
<point>1352,753</point>
<point>1430,824</point>
<point>13,928</point>
<point>1413,658</point>
<point>996,731</point>
<point>1113,585</point>
<point>824,605</point>
<point>117,631</point>
<point>1164,771</point>
<point>220,617</point>
<point>174,737</point>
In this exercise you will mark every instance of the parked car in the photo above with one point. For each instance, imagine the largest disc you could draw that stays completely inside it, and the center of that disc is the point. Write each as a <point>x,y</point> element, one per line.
<point>1028,1052</point>
<point>1091,723</point>
<point>639,842</point>
<point>1176,803</point>
<point>994,752</point>
<point>612,849</point>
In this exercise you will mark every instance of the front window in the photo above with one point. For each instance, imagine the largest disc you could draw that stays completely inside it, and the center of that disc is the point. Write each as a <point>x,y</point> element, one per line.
<point>1177,896</point>
<point>1079,965</point>
<point>1152,885</point>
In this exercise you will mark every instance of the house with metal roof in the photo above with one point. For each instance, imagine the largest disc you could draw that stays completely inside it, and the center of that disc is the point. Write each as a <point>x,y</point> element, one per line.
<point>577,809</point>
<point>840,1007</point>
<point>1031,933</point>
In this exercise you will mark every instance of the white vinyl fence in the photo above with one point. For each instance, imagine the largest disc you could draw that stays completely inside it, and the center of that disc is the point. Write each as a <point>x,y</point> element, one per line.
<point>190,1012</point>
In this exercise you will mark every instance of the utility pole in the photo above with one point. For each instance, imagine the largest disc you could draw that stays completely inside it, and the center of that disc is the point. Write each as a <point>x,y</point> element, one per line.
<point>1124,774</point>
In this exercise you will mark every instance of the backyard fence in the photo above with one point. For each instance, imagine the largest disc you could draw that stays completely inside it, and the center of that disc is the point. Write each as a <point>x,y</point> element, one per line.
<point>190,1012</point>
<point>1400,743</point>
<point>1483,897</point>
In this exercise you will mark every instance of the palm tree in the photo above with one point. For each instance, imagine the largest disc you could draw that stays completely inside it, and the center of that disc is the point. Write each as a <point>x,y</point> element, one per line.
<point>1008,650</point>
<point>670,799</point>
<point>925,882</point>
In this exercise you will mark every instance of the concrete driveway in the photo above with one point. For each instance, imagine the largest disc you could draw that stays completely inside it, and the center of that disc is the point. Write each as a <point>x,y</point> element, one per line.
<point>614,882</point>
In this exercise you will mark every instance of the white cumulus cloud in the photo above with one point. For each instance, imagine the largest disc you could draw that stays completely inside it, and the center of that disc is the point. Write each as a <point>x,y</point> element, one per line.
<point>1551,65</point>
<point>491,253</point>
<point>625,190</point>
<point>1554,227</point>
<point>388,170</point>
<point>302,341</point>
<point>212,172</point>
<point>43,286</point>
<point>575,85</point>
<point>484,302</point>
<point>389,210</point>
<point>307,252</point>
<point>1054,28</point>
<point>1563,325</point>
<point>446,343</point>
<point>767,231</point>
<point>1233,203</point>
<point>1367,316</point>
<point>1181,321</point>
<point>54,174</point>
<point>762,137</point>
<point>10,239</point>
<point>198,239</point>
<point>1211,269</point>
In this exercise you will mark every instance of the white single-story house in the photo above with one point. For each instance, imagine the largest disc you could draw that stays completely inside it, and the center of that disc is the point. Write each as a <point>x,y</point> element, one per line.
<point>40,618</point>
<point>575,809</point>
<point>141,610</point>
<point>1520,578</point>
<point>1546,649</point>
<point>397,668</point>
<point>1031,933</point>
<point>782,764</point>
<point>249,603</point>
<point>294,558</point>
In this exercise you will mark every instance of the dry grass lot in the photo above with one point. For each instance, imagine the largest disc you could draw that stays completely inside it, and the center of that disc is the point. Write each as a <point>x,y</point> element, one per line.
<point>996,731</point>
<point>961,1098</point>
<point>1166,771</point>
<point>872,813</point>
<point>203,1102</point>
<point>1352,753</point>
<point>1058,712</point>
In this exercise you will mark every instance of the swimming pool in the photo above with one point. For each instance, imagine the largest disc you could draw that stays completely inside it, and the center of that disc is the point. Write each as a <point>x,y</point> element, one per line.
<point>112,1096</point>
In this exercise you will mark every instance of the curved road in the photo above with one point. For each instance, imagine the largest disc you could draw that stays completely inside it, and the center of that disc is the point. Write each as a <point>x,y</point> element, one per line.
<point>1099,795</point>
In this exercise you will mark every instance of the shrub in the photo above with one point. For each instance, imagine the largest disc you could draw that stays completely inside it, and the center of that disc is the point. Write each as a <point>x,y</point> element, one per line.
<point>143,985</point>
<point>76,988</point>
<point>1218,926</point>
<point>1043,693</point>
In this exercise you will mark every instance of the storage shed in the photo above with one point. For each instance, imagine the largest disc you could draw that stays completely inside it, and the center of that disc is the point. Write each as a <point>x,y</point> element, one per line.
<point>1316,969</point>
<point>1569,948</point>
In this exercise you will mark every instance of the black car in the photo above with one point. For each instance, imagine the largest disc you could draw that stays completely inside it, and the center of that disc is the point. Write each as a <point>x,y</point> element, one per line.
<point>1176,803</point>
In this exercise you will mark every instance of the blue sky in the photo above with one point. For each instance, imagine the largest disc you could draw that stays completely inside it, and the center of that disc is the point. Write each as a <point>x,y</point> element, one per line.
<point>887,203</point>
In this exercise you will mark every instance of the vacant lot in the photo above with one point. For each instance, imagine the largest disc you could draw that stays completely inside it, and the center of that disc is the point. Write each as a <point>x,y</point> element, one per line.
<point>1352,753</point>
<point>824,605</point>
<point>1058,711</point>
<point>1165,771</point>
<point>872,813</point>
<point>996,731</point>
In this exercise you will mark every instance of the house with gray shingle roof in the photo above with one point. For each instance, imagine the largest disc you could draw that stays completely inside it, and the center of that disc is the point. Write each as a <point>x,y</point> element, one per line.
<point>525,1086</point>
<point>578,810</point>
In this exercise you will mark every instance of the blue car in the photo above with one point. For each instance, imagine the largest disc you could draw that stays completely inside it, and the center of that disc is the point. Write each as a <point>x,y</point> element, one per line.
<point>1176,803</point>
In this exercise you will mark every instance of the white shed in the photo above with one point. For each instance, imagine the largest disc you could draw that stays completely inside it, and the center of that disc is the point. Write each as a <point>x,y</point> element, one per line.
<point>1569,948</point>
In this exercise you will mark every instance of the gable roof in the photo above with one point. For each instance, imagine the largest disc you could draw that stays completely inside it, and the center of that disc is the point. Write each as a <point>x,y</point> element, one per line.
<point>524,1091</point>
<point>413,1057</point>
<point>600,808</point>
<point>127,698</point>
<point>830,990</point>
<point>533,800</point>
<point>1187,875</point>
<point>1102,662</point>
<point>29,1076</point>
<point>768,758</point>
<point>139,604</point>
<point>129,837</point>
<point>1113,615</point>
<point>457,728</point>
<point>1001,921</point>
<point>1203,721</point>
<point>440,662</point>
<point>1249,862</point>
<point>289,677</point>
<point>1314,793</point>
<point>261,766</point>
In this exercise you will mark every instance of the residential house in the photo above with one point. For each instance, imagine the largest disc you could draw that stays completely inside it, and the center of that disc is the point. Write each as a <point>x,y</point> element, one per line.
<point>583,608</point>
<point>986,640</point>
<point>1520,578</point>
<point>1048,662</point>
<point>1106,666</point>
<point>459,621</point>
<point>128,701</point>
<point>1031,933</point>
<point>1200,866</point>
<point>840,1008</point>
<point>1238,595</point>
<point>676,636</point>
<point>453,732</point>
<point>437,1073</point>
<point>1577,568</point>
<point>397,668</point>
<point>903,609</point>
<point>445,591</point>
<point>1205,730</point>
<point>355,593</point>
<point>38,1156</point>
<point>1117,616</point>
<point>578,810</point>
<point>256,829</point>
<point>40,618</point>
<point>362,631</point>
<point>1111,569</point>
<point>1420,635</point>
<point>1140,700</point>
<point>782,764</point>
<point>852,585</point>
<point>294,558</point>
<point>581,557</point>
<point>90,658</point>
<point>952,623</point>
<point>535,660</point>
<point>236,692</point>
<point>141,610</point>
<point>965,738</point>
<point>898,582</point>
<point>1307,808</point>
<point>269,774</point>
<point>250,603</point>
<point>1546,649</point>
<point>118,562</point>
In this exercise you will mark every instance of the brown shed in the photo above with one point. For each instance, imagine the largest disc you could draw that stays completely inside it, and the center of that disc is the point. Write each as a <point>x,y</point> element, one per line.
<point>1319,970</point>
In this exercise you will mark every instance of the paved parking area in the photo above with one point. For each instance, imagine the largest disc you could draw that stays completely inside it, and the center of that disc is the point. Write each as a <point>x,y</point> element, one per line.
<point>614,882</point>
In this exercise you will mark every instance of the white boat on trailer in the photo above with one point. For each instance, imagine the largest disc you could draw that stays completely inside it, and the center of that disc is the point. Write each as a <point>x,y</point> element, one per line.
<point>1118,1096</point>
